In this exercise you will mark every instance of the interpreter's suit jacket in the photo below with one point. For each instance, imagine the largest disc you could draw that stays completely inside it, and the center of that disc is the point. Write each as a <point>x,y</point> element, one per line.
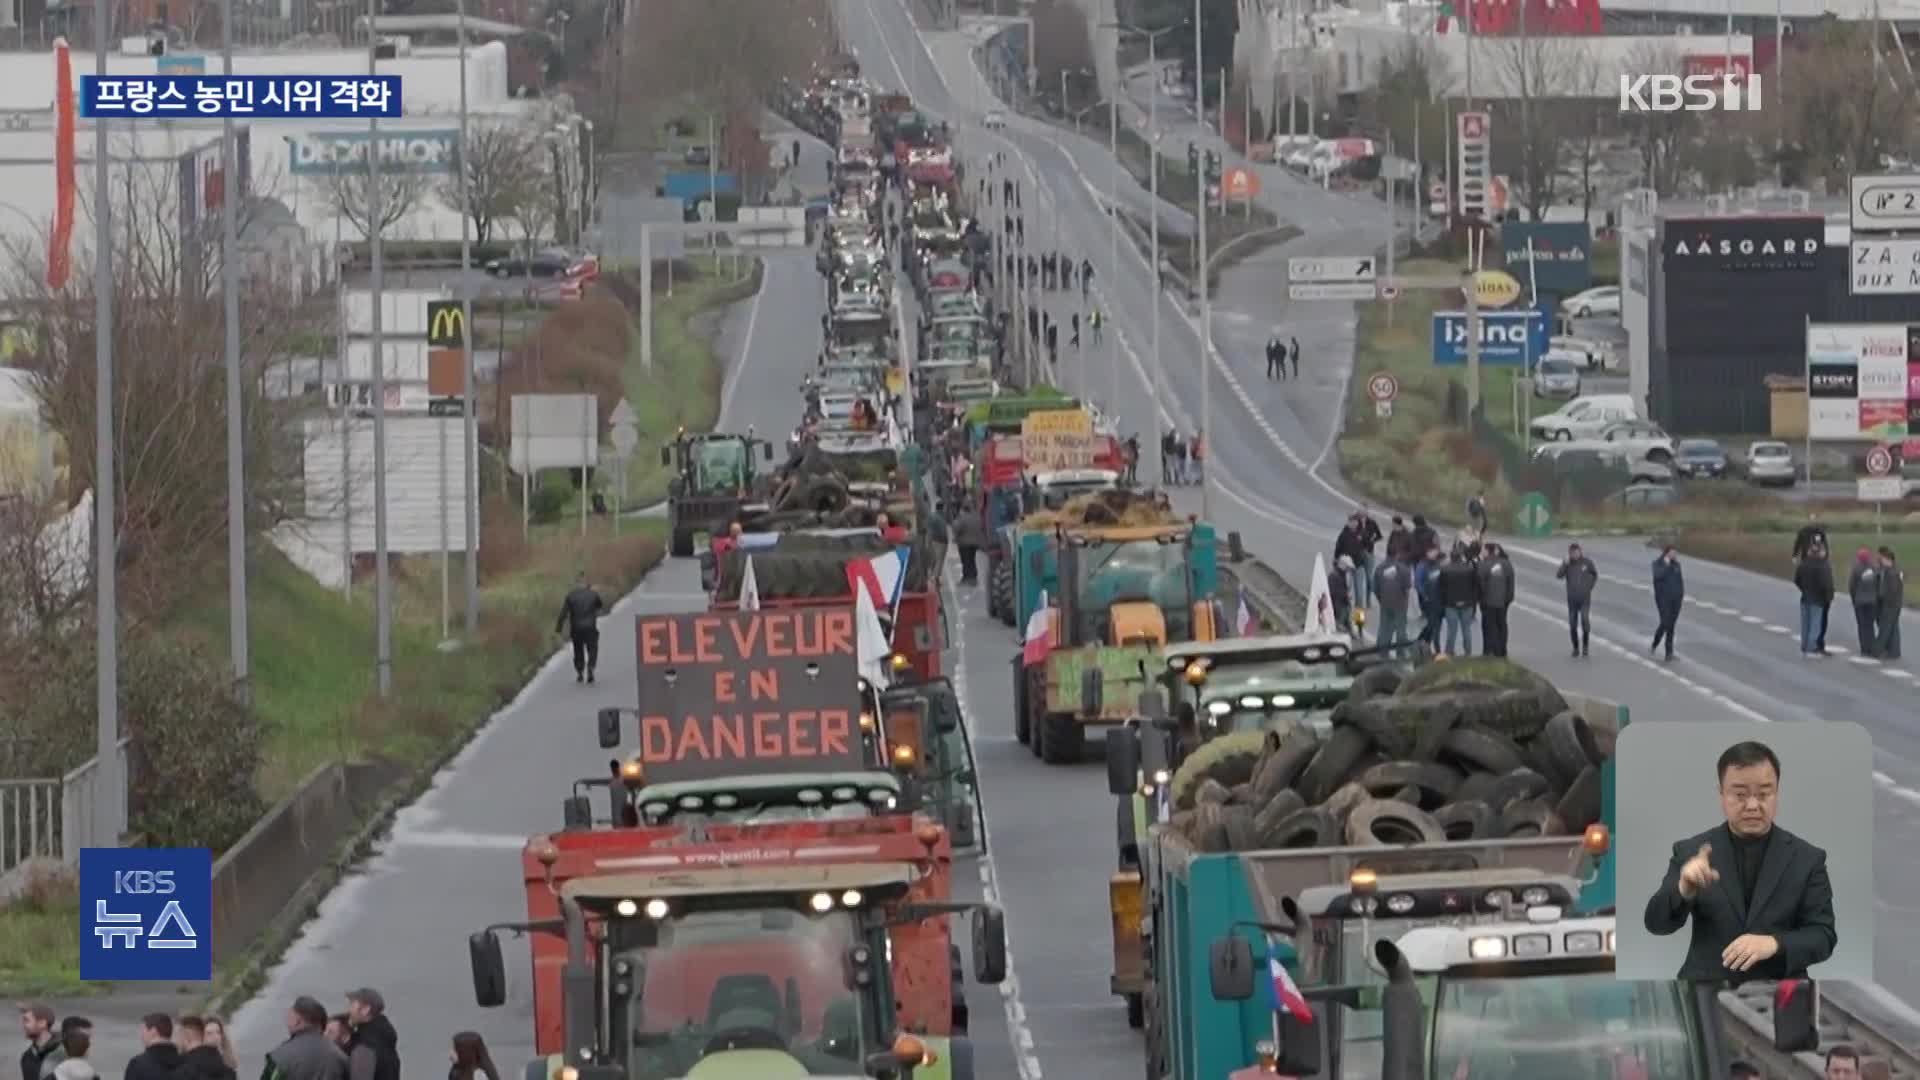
<point>1792,902</point>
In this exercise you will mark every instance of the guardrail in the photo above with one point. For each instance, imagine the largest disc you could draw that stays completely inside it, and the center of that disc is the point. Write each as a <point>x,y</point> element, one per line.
<point>1273,600</point>
<point>1750,1012</point>
<point>48,818</point>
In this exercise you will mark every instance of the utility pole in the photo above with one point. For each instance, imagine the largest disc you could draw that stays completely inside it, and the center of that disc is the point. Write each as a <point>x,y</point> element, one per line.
<point>1113,236</point>
<point>470,431</point>
<point>1206,302</point>
<point>376,213</point>
<point>231,184</point>
<point>110,787</point>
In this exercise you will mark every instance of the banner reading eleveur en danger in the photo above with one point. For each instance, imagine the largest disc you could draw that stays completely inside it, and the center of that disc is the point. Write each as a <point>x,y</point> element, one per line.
<point>748,693</point>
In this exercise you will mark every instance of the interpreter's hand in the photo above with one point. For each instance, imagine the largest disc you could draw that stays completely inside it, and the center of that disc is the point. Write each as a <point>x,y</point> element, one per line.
<point>1697,873</point>
<point>1748,950</point>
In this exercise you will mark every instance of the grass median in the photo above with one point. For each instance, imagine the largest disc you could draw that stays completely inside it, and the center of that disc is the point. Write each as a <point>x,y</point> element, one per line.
<point>312,647</point>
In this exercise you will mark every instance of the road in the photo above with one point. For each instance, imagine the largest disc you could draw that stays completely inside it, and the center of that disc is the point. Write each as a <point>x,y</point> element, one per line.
<point>1271,444</point>
<point>451,863</point>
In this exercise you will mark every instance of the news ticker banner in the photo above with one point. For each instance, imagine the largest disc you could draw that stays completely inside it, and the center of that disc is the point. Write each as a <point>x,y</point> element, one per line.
<point>265,97</point>
<point>146,914</point>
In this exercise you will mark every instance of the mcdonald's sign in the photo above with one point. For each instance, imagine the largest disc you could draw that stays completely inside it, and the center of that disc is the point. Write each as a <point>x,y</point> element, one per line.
<point>446,325</point>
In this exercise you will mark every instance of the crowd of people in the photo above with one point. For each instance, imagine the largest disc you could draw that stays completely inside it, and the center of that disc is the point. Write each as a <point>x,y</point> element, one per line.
<point>1183,458</point>
<point>1876,588</point>
<point>360,1043</point>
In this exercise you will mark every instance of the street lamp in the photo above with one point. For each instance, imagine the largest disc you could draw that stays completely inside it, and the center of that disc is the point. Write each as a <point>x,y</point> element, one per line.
<point>1113,218</point>
<point>1206,299</point>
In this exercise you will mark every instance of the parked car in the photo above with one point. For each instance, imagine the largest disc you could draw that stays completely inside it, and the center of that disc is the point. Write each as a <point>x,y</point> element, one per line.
<point>1639,495</point>
<point>1575,457</point>
<point>546,263</point>
<point>1557,376</point>
<point>1584,417</point>
<point>1770,464</point>
<point>1700,458</point>
<point>1600,300</point>
<point>1640,438</point>
<point>1592,354</point>
<point>994,121</point>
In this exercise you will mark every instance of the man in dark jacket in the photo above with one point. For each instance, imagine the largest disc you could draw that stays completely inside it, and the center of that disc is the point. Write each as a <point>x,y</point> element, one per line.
<point>1459,594</point>
<point>967,537</point>
<point>374,1052</point>
<point>1369,533</point>
<point>202,1059</point>
<point>1810,534</point>
<point>1893,600</point>
<point>1863,590</point>
<point>43,1040</point>
<point>1494,574</point>
<point>1426,587</point>
<point>1425,539</point>
<point>1581,576</point>
<point>1400,541</point>
<point>579,618</point>
<point>1669,592</point>
<point>160,1057</point>
<point>1392,586</point>
<point>1349,544</point>
<point>1813,576</point>
<point>307,1054</point>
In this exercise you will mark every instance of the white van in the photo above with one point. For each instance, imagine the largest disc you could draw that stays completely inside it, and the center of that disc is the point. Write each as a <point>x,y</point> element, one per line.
<point>1585,417</point>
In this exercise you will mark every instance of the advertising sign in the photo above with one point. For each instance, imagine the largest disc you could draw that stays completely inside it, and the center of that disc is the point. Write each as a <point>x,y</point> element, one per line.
<point>1057,439</point>
<point>1550,256</point>
<point>1495,289</point>
<point>1507,338</point>
<point>1473,144</point>
<point>1858,380</point>
<point>748,693</point>
<point>146,914</point>
<point>446,324</point>
<point>1743,244</point>
<point>320,153</point>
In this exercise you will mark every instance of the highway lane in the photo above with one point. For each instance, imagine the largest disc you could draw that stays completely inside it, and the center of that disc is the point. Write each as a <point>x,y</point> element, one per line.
<point>1265,454</point>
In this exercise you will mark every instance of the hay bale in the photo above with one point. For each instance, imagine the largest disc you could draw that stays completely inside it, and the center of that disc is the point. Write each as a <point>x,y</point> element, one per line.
<point>1121,508</point>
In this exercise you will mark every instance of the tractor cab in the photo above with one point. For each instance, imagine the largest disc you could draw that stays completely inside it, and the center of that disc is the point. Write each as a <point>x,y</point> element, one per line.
<point>715,478</point>
<point>927,747</point>
<point>1270,683</point>
<point>1127,586</point>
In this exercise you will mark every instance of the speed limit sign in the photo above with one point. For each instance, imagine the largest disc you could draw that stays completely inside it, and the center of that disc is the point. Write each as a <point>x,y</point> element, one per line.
<point>1880,460</point>
<point>1382,386</point>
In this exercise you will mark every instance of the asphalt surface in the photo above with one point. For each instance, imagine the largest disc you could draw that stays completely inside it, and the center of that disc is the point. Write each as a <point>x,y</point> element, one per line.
<point>1271,445</point>
<point>451,863</point>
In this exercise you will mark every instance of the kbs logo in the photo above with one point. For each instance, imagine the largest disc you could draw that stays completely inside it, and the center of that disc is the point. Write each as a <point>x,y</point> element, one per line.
<point>146,914</point>
<point>1690,93</point>
<point>143,882</point>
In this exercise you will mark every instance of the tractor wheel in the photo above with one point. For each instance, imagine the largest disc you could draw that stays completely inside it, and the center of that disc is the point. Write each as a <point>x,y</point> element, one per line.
<point>1064,741</point>
<point>1136,1012</point>
<point>682,545</point>
<point>1022,723</point>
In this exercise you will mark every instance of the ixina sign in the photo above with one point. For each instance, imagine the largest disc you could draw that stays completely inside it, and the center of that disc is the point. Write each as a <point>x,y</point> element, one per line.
<point>748,693</point>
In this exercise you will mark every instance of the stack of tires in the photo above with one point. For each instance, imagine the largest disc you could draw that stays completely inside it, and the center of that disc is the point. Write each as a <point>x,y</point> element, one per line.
<point>1471,750</point>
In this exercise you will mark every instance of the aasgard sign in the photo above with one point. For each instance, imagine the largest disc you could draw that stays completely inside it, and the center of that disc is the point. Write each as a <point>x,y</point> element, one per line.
<point>326,152</point>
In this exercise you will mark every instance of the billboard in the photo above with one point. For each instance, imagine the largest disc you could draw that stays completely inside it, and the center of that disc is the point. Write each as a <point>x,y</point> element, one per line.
<point>320,153</point>
<point>550,431</point>
<point>1549,256</point>
<point>692,187</point>
<point>748,693</point>
<point>1507,338</point>
<point>1860,380</point>
<point>1743,244</point>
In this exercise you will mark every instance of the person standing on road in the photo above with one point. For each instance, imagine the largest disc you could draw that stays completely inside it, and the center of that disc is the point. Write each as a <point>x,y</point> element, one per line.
<point>1340,593</point>
<point>1893,600</point>
<point>1494,575</point>
<point>1347,542</point>
<point>1669,592</point>
<point>1813,576</point>
<point>43,1041</point>
<point>1392,585</point>
<point>374,1053</point>
<point>1293,354</point>
<point>1459,595</point>
<point>1197,453</point>
<point>69,1061</point>
<point>1863,589</point>
<point>1426,589</point>
<point>1276,358</point>
<point>159,1057</point>
<point>1810,534</point>
<point>471,1060</point>
<point>1477,511</point>
<point>306,1055</point>
<point>1166,456</point>
<point>1075,342</point>
<point>1424,537</point>
<point>967,537</point>
<point>579,619</point>
<point>1093,324</point>
<point>1399,541</point>
<point>1086,279</point>
<point>203,1060</point>
<point>1581,576</point>
<point>1369,537</point>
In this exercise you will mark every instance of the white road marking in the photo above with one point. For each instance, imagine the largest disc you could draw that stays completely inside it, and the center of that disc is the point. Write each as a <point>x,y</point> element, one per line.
<point>1753,620</point>
<point>1896,673</point>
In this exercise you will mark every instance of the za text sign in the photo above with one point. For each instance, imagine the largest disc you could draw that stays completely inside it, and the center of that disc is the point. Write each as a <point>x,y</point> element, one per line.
<point>146,914</point>
<point>748,693</point>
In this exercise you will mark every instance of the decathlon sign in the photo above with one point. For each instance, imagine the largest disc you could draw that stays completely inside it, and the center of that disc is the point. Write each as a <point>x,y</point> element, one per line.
<point>1725,92</point>
<point>324,152</point>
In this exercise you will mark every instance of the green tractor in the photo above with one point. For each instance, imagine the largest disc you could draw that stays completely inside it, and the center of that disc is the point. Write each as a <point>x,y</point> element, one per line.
<point>715,478</point>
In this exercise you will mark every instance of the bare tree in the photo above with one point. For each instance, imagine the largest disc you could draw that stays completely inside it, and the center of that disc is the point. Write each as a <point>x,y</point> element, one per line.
<point>350,191</point>
<point>1590,104</point>
<point>716,56</point>
<point>1409,99</point>
<point>1846,105</point>
<point>501,162</point>
<point>1661,137</point>
<point>1532,134</point>
<point>1061,44</point>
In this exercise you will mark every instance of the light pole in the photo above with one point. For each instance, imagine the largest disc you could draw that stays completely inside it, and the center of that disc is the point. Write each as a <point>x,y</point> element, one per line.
<point>110,782</point>
<point>1206,301</point>
<point>1113,221</point>
<point>469,427</point>
<point>376,212</point>
<point>230,185</point>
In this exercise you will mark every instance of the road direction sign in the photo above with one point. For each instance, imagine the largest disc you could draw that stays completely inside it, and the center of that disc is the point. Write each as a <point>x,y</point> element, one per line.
<point>1877,489</point>
<point>623,414</point>
<point>1880,460</point>
<point>1358,290</point>
<point>1382,386</point>
<point>1383,409</point>
<point>1885,267</point>
<point>1534,515</point>
<point>626,437</point>
<point>1882,202</point>
<point>1338,268</point>
<point>1241,183</point>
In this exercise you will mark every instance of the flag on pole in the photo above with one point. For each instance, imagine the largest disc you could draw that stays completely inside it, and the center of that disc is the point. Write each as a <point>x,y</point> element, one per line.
<point>1284,995</point>
<point>1247,622</point>
<point>871,648</point>
<point>749,588</point>
<point>1036,643</point>
<point>1320,618</point>
<point>881,577</point>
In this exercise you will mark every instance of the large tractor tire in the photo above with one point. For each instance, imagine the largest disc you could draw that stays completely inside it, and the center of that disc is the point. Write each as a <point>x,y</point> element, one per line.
<point>1022,718</point>
<point>1062,740</point>
<point>679,538</point>
<point>1136,1011</point>
<point>1000,584</point>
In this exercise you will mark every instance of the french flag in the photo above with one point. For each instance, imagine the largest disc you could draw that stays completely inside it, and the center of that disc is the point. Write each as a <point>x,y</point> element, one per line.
<point>1037,642</point>
<point>882,576</point>
<point>1246,620</point>
<point>1286,995</point>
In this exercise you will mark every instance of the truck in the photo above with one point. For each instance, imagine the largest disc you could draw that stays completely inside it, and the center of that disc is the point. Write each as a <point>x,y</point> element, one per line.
<point>1120,593</point>
<point>1307,833</point>
<point>761,902</point>
<point>1005,492</point>
<point>1031,543</point>
<point>803,571</point>
<point>715,477</point>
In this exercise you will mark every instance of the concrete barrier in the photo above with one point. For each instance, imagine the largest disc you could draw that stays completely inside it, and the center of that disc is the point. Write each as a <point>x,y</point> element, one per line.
<point>257,877</point>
